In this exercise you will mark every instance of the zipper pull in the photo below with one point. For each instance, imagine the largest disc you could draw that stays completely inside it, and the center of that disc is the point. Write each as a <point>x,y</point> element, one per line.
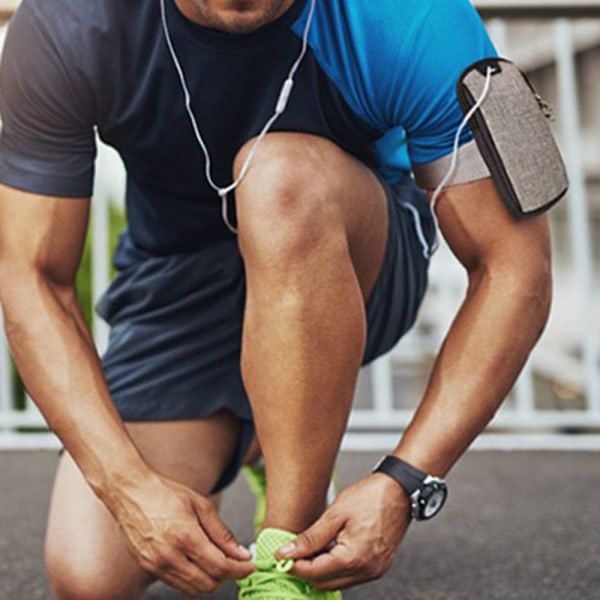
<point>546,107</point>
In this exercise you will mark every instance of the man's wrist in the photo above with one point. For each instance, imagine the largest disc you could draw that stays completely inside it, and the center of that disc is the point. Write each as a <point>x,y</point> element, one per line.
<point>117,476</point>
<point>396,495</point>
<point>426,493</point>
<point>424,460</point>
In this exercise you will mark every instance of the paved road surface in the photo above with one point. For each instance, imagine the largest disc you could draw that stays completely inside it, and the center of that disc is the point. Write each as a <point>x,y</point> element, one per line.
<point>518,526</point>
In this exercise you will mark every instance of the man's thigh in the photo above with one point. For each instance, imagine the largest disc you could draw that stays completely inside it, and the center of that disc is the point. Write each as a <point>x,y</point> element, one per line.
<point>83,541</point>
<point>307,180</point>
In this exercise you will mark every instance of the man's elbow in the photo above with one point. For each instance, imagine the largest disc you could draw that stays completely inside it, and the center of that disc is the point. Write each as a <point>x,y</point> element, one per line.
<point>526,285</point>
<point>539,289</point>
<point>24,294</point>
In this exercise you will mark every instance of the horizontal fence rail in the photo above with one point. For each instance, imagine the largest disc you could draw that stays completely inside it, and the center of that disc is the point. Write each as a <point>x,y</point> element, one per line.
<point>487,8</point>
<point>527,9</point>
<point>558,392</point>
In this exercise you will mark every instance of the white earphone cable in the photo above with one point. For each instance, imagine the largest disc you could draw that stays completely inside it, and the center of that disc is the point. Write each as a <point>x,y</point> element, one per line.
<point>437,194</point>
<point>280,107</point>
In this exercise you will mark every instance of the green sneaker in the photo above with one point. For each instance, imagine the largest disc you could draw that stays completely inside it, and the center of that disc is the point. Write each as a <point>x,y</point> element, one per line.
<point>272,579</point>
<point>257,482</point>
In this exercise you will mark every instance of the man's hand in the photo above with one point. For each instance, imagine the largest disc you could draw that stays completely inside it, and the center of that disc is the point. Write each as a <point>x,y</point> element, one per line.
<point>357,537</point>
<point>177,536</point>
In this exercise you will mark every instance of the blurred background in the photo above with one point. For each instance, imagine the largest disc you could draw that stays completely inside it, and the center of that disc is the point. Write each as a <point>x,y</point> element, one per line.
<point>557,399</point>
<point>552,416</point>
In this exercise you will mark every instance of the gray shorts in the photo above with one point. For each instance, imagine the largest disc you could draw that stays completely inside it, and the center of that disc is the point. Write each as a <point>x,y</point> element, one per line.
<point>176,323</point>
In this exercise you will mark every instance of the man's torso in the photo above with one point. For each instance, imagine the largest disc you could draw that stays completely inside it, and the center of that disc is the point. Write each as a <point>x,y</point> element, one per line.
<point>111,58</point>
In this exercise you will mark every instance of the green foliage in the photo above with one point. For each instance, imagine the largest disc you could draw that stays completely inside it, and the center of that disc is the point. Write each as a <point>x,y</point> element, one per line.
<point>84,275</point>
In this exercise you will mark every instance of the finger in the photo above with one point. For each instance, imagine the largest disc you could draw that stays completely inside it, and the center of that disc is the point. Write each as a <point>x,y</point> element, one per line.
<point>219,534</point>
<point>202,552</point>
<point>340,584</point>
<point>323,568</point>
<point>177,571</point>
<point>337,569</point>
<point>213,562</point>
<point>193,584</point>
<point>180,585</point>
<point>314,539</point>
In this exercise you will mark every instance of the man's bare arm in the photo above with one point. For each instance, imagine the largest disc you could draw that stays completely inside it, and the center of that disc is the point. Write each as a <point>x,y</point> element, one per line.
<point>41,241</point>
<point>501,318</point>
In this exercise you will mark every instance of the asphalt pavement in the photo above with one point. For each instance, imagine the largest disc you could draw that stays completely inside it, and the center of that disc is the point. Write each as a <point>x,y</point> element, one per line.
<point>517,526</point>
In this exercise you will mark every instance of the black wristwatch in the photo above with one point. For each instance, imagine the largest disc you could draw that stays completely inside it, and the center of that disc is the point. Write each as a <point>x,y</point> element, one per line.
<point>426,493</point>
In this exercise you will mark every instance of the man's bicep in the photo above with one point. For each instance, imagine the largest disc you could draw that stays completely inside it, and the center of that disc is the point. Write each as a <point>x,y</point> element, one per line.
<point>41,234</point>
<point>480,230</point>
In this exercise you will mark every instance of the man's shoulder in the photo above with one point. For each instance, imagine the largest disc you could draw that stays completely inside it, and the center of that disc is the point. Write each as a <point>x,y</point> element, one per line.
<point>390,14</point>
<point>83,36</point>
<point>72,21</point>
<point>396,17</point>
<point>378,29</point>
<point>65,11</point>
<point>372,33</point>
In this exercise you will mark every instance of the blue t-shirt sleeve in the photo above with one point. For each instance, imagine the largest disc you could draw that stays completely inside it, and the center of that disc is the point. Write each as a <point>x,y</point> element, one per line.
<point>443,38</point>
<point>47,145</point>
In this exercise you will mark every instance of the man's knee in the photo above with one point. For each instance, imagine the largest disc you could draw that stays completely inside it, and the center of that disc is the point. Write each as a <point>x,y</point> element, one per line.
<point>287,201</point>
<point>80,580</point>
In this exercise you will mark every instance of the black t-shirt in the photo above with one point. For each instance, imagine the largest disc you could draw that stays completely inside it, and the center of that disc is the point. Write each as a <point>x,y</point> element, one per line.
<point>72,68</point>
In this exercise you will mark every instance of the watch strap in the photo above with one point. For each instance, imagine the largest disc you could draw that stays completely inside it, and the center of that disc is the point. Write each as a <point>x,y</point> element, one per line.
<point>409,477</point>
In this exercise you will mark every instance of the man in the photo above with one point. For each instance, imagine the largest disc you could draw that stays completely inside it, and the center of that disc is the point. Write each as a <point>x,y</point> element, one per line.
<point>326,273</point>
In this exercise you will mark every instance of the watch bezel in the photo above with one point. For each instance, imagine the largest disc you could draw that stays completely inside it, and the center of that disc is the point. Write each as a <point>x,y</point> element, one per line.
<point>420,503</point>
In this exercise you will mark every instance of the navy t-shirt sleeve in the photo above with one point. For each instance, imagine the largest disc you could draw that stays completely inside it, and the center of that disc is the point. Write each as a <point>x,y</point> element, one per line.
<point>47,145</point>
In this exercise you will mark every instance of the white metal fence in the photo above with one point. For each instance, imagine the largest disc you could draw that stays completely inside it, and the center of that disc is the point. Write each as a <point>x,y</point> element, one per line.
<point>559,390</point>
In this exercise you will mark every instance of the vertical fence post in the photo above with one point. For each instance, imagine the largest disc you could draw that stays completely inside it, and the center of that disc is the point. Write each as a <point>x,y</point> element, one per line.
<point>577,209</point>
<point>100,260</point>
<point>382,384</point>
<point>6,391</point>
<point>498,32</point>
<point>6,387</point>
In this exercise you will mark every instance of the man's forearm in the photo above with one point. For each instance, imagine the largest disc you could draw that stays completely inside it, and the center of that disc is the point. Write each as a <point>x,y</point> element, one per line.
<point>501,319</point>
<point>58,362</point>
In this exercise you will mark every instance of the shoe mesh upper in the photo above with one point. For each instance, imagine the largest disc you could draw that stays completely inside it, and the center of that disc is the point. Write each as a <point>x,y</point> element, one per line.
<point>271,581</point>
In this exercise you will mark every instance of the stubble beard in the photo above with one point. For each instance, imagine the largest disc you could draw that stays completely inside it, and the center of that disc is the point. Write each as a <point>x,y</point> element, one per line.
<point>238,17</point>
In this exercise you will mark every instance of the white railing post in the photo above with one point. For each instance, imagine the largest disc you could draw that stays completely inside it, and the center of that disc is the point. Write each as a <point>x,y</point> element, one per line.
<point>525,394</point>
<point>498,31</point>
<point>6,387</point>
<point>382,385</point>
<point>100,260</point>
<point>577,209</point>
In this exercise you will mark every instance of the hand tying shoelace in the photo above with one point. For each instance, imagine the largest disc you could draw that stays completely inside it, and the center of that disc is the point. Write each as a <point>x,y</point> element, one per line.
<point>272,579</point>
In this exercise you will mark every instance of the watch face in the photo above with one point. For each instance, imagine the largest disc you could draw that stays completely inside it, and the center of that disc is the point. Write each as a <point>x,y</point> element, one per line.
<point>434,504</point>
<point>431,500</point>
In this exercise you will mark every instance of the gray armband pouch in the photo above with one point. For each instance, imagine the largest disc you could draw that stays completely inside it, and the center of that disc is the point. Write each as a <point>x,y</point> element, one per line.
<point>514,137</point>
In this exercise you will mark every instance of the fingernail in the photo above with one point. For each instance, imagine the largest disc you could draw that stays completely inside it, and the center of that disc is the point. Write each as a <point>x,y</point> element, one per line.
<point>287,549</point>
<point>245,551</point>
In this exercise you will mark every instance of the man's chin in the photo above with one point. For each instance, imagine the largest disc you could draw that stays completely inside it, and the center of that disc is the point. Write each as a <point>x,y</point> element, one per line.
<point>241,24</point>
<point>234,16</point>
